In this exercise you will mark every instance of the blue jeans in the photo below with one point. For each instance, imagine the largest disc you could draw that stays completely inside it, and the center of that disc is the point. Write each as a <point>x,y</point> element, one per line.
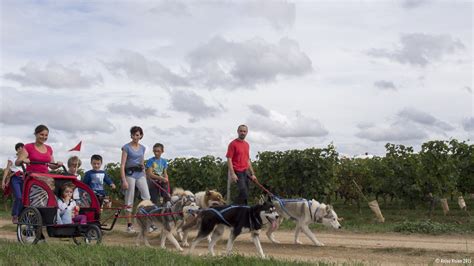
<point>243,187</point>
<point>17,188</point>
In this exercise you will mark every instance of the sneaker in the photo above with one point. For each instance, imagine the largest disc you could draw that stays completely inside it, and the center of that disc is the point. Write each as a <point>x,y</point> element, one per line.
<point>130,229</point>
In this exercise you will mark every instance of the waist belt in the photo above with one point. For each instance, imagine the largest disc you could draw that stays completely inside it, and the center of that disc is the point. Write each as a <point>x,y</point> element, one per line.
<point>131,169</point>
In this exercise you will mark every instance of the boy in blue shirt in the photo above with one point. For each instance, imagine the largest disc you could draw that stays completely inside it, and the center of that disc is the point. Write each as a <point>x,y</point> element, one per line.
<point>96,178</point>
<point>157,175</point>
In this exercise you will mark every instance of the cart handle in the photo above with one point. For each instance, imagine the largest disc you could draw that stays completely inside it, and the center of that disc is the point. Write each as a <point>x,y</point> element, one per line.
<point>35,162</point>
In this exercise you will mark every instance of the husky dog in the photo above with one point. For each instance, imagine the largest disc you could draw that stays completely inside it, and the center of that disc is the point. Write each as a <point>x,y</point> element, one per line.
<point>304,212</point>
<point>204,200</point>
<point>148,214</point>
<point>240,219</point>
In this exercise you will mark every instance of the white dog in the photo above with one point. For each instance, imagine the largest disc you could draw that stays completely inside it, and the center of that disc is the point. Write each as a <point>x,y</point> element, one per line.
<point>304,212</point>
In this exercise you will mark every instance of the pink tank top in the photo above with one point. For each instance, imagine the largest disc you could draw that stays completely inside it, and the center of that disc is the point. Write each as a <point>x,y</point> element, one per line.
<point>35,156</point>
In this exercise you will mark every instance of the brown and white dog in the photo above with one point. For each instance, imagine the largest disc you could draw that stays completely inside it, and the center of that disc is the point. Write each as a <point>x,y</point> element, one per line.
<point>204,200</point>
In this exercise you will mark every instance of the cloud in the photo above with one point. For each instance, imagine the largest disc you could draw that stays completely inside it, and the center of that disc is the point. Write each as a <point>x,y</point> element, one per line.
<point>230,65</point>
<point>468,124</point>
<point>53,75</point>
<point>64,114</point>
<point>191,103</point>
<point>385,85</point>
<point>468,89</point>
<point>131,110</point>
<point>420,49</point>
<point>423,118</point>
<point>410,4</point>
<point>393,132</point>
<point>287,127</point>
<point>260,110</point>
<point>141,69</point>
<point>172,8</point>
<point>280,14</point>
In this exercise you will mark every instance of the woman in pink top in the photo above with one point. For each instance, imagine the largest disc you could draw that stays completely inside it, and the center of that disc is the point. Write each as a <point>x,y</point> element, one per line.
<point>38,152</point>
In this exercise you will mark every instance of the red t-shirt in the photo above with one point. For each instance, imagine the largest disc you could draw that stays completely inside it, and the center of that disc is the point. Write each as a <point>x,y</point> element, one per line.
<point>36,156</point>
<point>238,152</point>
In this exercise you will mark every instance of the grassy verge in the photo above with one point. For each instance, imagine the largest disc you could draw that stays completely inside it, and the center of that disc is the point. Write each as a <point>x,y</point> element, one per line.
<point>60,254</point>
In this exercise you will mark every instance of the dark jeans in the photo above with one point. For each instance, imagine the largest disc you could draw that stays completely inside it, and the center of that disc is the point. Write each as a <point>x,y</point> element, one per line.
<point>156,192</point>
<point>17,188</point>
<point>243,187</point>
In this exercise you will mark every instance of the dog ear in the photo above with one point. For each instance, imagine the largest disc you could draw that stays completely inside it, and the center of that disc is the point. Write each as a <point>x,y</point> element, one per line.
<point>269,198</point>
<point>208,192</point>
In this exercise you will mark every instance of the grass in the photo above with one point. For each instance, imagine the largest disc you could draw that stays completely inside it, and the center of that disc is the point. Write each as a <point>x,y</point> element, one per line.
<point>60,254</point>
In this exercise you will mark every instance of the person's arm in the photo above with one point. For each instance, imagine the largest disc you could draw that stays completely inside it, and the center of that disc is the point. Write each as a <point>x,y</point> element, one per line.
<point>165,176</point>
<point>22,158</point>
<point>109,181</point>
<point>252,172</point>
<point>122,169</point>
<point>6,176</point>
<point>151,175</point>
<point>87,179</point>
<point>231,171</point>
<point>55,165</point>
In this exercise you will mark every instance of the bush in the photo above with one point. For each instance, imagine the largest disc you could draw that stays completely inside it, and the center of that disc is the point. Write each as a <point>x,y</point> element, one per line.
<point>424,227</point>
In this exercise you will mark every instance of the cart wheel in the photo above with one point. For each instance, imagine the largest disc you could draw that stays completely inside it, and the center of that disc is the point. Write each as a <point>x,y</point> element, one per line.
<point>29,225</point>
<point>92,235</point>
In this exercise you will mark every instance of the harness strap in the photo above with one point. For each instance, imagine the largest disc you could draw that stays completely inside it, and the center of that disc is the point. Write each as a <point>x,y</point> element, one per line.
<point>221,212</point>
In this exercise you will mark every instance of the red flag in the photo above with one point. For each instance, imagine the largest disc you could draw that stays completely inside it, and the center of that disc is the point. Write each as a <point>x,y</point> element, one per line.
<point>77,147</point>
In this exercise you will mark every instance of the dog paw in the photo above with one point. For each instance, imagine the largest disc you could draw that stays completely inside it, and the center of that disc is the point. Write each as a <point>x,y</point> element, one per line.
<point>185,244</point>
<point>298,242</point>
<point>319,244</point>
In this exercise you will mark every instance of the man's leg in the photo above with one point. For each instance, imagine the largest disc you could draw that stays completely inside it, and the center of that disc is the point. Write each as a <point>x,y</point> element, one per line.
<point>243,187</point>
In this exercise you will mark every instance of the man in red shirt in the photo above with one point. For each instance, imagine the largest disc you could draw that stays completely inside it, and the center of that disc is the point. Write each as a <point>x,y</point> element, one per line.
<point>240,167</point>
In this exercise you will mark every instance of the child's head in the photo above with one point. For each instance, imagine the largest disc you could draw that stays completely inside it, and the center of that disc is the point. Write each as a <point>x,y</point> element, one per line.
<point>73,164</point>
<point>19,146</point>
<point>158,149</point>
<point>96,161</point>
<point>67,189</point>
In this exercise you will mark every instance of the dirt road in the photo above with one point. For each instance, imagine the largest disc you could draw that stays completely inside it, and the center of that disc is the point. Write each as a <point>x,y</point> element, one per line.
<point>341,246</point>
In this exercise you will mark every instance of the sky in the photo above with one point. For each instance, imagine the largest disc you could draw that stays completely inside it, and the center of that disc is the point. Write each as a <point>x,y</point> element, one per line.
<point>300,74</point>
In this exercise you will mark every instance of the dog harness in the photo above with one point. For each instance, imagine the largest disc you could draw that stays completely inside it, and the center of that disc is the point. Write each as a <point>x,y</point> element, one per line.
<point>283,202</point>
<point>219,213</point>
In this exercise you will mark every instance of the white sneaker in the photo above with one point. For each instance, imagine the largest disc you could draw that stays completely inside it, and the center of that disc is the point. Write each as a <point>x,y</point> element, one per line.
<point>130,229</point>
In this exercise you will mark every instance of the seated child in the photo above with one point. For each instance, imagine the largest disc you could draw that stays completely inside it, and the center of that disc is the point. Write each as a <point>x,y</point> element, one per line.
<point>67,208</point>
<point>95,178</point>
<point>73,164</point>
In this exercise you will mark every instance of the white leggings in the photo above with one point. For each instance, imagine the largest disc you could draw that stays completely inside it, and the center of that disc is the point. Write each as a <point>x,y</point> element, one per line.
<point>142,186</point>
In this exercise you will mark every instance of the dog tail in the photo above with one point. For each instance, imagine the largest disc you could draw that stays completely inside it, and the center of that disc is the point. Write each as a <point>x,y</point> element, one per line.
<point>178,191</point>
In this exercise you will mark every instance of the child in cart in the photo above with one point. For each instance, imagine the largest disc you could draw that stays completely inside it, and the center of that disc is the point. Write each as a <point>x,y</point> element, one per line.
<point>68,211</point>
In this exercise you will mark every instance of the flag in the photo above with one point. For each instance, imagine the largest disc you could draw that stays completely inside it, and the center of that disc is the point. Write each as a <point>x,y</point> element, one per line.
<point>77,147</point>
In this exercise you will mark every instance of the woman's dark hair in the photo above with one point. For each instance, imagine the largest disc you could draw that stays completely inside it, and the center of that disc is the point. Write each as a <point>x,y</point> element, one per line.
<point>19,145</point>
<point>40,128</point>
<point>136,129</point>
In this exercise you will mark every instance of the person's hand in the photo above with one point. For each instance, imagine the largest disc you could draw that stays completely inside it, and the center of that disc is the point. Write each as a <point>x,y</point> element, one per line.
<point>27,161</point>
<point>253,178</point>
<point>4,185</point>
<point>124,185</point>
<point>59,164</point>
<point>112,186</point>
<point>234,177</point>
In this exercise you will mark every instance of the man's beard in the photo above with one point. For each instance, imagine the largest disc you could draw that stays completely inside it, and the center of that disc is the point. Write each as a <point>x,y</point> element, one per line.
<point>242,137</point>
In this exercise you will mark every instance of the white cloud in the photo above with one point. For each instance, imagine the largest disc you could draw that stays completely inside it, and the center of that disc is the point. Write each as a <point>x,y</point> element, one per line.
<point>423,118</point>
<point>139,68</point>
<point>280,14</point>
<point>279,125</point>
<point>66,114</point>
<point>260,110</point>
<point>131,110</point>
<point>393,132</point>
<point>420,49</point>
<point>55,76</point>
<point>229,65</point>
<point>410,4</point>
<point>172,8</point>
<point>189,102</point>
<point>385,85</point>
<point>468,124</point>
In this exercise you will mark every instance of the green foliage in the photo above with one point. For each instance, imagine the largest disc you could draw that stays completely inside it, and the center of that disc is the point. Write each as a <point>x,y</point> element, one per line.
<point>425,227</point>
<point>305,173</point>
<point>195,174</point>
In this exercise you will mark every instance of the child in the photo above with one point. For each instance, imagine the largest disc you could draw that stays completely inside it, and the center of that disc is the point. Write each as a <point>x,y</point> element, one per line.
<point>67,208</point>
<point>13,175</point>
<point>73,164</point>
<point>95,178</point>
<point>156,173</point>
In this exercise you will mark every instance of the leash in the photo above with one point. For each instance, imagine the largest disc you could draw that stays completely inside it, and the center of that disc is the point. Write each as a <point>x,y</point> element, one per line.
<point>263,188</point>
<point>167,192</point>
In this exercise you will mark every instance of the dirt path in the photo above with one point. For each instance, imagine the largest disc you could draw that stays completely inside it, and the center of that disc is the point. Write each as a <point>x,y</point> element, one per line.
<point>341,246</point>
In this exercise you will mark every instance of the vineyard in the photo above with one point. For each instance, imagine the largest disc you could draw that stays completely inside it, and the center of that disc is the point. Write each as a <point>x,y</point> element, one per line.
<point>442,169</point>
